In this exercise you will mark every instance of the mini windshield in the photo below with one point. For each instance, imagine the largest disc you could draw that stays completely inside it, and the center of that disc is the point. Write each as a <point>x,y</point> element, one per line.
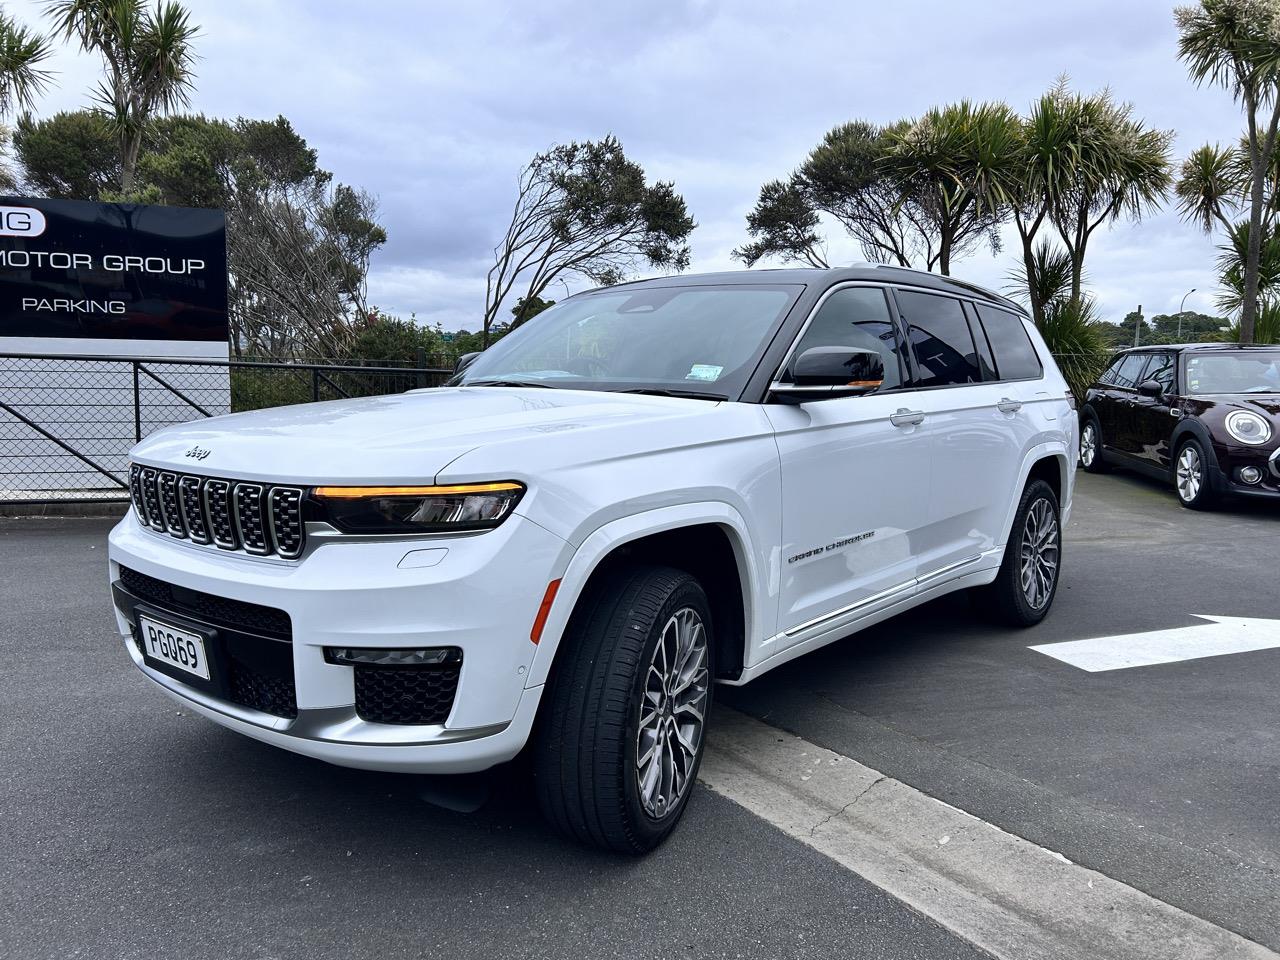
<point>1244,371</point>
<point>684,340</point>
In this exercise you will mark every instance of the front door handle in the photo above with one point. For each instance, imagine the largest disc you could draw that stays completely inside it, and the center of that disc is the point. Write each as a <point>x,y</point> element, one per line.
<point>906,418</point>
<point>1009,406</point>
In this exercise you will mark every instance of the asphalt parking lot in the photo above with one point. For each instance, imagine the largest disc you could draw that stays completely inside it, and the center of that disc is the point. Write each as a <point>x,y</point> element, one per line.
<point>133,829</point>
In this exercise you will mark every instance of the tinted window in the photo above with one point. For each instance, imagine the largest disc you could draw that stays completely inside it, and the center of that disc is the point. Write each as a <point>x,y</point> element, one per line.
<point>856,317</point>
<point>1161,371</point>
<point>940,338</point>
<point>1015,356</point>
<point>1109,375</point>
<point>1129,372</point>
<point>985,359</point>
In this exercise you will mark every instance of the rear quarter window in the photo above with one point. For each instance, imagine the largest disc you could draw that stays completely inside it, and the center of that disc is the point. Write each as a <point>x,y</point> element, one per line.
<point>1015,355</point>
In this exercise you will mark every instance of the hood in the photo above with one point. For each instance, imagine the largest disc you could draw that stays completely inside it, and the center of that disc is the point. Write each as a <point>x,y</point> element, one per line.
<point>1266,405</point>
<point>405,438</point>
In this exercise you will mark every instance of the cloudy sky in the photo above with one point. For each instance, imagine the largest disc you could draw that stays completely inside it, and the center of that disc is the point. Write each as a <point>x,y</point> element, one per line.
<point>434,107</point>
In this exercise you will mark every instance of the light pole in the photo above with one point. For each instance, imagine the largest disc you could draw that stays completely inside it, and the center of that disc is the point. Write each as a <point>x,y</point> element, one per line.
<point>1181,311</point>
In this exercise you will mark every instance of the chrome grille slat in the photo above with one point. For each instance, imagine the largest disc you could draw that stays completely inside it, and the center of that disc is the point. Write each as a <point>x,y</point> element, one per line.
<point>217,504</point>
<point>135,492</point>
<point>286,521</point>
<point>151,497</point>
<point>250,523</point>
<point>261,519</point>
<point>192,500</point>
<point>170,507</point>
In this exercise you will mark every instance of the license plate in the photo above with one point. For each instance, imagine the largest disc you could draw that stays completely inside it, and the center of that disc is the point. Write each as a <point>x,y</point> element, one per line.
<point>176,647</point>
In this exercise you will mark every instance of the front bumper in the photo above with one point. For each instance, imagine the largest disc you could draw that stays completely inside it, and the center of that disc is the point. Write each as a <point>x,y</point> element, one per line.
<point>1230,458</point>
<point>481,595</point>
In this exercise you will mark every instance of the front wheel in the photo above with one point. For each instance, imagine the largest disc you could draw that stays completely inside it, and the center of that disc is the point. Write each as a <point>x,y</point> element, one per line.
<point>621,738</point>
<point>1023,590</point>
<point>1191,477</point>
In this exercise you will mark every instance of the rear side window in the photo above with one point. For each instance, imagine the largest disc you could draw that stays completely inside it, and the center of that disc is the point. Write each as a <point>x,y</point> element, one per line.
<point>1014,353</point>
<point>1129,372</point>
<point>1109,375</point>
<point>940,339</point>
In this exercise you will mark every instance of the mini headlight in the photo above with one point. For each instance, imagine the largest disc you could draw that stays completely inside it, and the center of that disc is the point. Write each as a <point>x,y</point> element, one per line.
<point>1248,427</point>
<point>434,509</point>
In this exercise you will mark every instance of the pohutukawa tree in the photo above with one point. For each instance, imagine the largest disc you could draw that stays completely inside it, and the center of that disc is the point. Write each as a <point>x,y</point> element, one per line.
<point>147,58</point>
<point>585,209</point>
<point>1236,44</point>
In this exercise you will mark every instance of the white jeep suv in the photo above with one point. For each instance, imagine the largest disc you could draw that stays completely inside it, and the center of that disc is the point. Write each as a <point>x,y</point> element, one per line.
<point>646,488</point>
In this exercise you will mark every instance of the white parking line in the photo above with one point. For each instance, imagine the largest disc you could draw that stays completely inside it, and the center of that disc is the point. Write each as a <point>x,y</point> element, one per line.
<point>1222,635</point>
<point>1004,894</point>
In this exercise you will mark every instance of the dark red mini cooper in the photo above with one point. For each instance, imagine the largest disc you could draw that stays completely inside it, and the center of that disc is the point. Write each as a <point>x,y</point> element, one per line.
<point>1205,417</point>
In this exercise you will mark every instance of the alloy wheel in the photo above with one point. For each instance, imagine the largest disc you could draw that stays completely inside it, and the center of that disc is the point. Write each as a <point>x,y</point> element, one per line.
<point>672,713</point>
<point>1190,474</point>
<point>1088,444</point>
<point>1040,553</point>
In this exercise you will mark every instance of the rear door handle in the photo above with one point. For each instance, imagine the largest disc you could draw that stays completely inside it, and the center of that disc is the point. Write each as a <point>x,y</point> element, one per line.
<point>906,418</point>
<point>1009,406</point>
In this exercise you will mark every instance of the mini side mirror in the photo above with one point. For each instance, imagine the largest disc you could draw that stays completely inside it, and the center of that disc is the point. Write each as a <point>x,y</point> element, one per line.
<point>1151,388</point>
<point>838,369</point>
<point>465,361</point>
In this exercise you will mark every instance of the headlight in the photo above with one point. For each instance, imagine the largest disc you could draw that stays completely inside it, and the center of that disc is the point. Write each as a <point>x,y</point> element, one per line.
<point>1248,427</point>
<point>459,507</point>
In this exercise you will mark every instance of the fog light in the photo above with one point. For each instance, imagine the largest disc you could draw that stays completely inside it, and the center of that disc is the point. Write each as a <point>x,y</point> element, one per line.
<point>370,657</point>
<point>1250,474</point>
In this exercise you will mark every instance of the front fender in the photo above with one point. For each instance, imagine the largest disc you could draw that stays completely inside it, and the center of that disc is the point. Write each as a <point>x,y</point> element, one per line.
<point>756,592</point>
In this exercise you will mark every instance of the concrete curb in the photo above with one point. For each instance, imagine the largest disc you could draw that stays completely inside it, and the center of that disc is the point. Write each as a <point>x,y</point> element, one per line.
<point>86,508</point>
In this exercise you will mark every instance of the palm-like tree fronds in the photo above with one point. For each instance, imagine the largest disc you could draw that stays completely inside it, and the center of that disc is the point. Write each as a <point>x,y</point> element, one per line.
<point>22,51</point>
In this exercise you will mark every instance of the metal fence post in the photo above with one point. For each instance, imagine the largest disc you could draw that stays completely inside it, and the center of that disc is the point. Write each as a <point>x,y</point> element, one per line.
<point>137,405</point>
<point>315,384</point>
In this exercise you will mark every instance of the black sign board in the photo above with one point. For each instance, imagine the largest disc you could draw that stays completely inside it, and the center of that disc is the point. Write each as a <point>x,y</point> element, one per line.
<point>74,269</point>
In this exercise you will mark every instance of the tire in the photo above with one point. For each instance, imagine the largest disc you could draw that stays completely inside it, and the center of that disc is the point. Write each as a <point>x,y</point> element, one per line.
<point>1036,534</point>
<point>1191,476</point>
<point>1091,452</point>
<point>590,736</point>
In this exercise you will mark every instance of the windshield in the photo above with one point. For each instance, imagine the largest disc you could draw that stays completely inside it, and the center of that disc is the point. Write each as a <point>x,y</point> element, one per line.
<point>1233,372</point>
<point>697,340</point>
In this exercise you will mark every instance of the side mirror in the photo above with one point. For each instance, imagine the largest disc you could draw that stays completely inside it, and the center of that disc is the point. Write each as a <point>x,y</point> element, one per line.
<point>837,370</point>
<point>1151,388</point>
<point>465,361</point>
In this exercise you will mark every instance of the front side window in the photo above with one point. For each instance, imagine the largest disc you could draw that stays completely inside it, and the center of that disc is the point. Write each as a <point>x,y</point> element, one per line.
<point>1235,371</point>
<point>1161,371</point>
<point>940,338</point>
<point>701,340</point>
<point>1129,374</point>
<point>859,318</point>
<point>1015,356</point>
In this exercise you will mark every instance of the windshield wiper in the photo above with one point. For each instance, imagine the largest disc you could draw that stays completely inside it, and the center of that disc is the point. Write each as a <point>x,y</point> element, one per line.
<point>666,392</point>
<point>506,383</point>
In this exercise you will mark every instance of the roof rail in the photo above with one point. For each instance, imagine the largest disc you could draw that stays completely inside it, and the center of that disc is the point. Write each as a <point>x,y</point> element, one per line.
<point>972,287</point>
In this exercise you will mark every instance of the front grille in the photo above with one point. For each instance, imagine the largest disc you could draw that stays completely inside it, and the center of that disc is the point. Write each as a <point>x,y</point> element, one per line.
<point>406,695</point>
<point>256,518</point>
<point>207,608</point>
<point>274,695</point>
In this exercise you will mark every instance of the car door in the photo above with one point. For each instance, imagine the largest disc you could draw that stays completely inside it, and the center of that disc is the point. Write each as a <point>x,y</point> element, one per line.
<point>1115,413</point>
<point>1150,422</point>
<point>855,476</point>
<point>975,426</point>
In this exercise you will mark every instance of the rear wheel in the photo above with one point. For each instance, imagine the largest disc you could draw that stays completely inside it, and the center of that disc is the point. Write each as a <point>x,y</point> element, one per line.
<point>619,746</point>
<point>1091,446</point>
<point>1023,590</point>
<point>1191,476</point>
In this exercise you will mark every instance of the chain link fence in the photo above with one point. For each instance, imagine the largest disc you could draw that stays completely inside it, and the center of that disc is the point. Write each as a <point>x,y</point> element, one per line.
<point>67,422</point>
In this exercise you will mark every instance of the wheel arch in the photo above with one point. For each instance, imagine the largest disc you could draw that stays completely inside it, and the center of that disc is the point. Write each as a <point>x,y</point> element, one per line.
<point>1052,463</point>
<point>708,540</point>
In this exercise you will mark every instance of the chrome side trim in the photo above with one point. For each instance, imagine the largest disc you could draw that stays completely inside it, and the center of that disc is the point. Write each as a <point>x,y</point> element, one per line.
<point>881,596</point>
